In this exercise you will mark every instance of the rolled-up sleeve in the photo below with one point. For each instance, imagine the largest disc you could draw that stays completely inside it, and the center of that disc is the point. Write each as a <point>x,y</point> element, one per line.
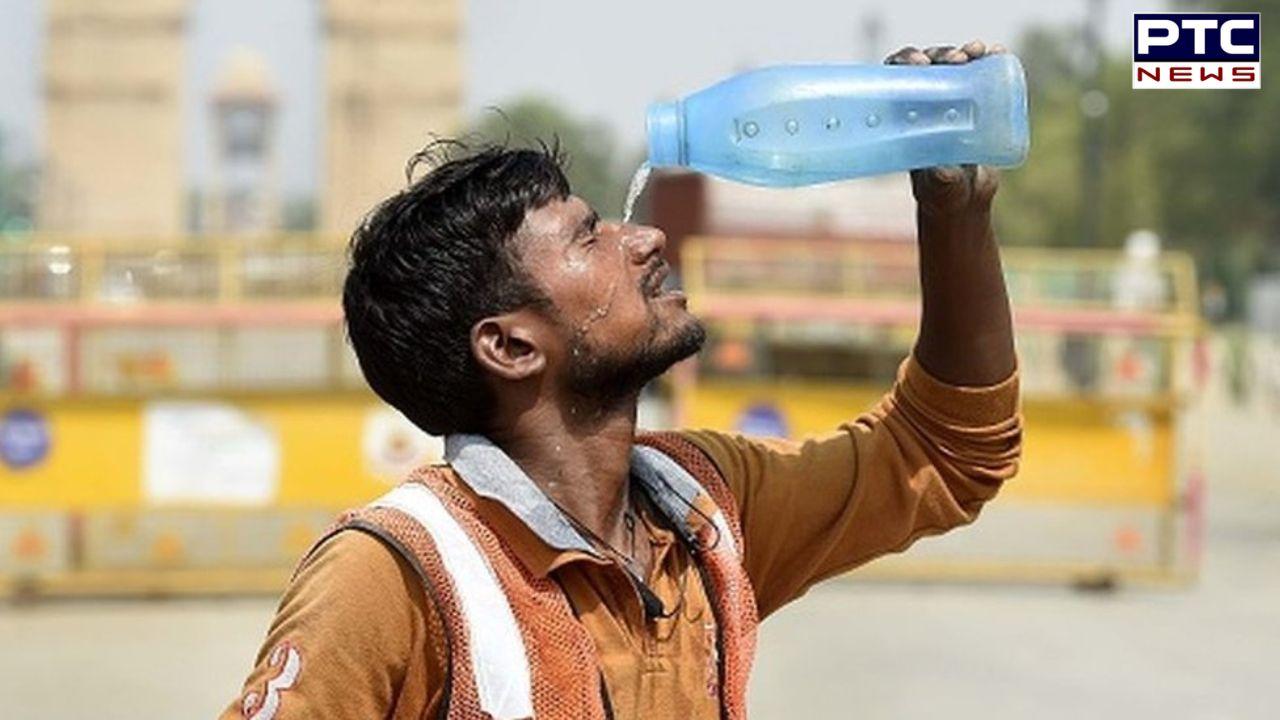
<point>922,461</point>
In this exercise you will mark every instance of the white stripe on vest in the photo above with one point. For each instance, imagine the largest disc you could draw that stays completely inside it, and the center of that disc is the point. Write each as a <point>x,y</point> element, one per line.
<point>498,658</point>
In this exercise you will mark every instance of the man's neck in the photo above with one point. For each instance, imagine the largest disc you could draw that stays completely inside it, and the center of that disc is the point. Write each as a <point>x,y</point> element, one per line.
<point>581,461</point>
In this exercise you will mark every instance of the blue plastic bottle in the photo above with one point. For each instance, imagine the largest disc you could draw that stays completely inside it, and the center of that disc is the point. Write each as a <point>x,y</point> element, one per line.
<point>803,124</point>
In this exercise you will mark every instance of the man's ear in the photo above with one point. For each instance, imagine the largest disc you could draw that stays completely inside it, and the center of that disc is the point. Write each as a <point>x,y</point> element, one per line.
<point>509,345</point>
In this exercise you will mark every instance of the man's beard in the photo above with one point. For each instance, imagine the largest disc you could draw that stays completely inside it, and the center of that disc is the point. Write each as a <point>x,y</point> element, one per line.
<point>605,375</point>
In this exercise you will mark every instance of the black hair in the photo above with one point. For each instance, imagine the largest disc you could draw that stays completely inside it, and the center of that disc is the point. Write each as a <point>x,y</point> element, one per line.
<point>431,261</point>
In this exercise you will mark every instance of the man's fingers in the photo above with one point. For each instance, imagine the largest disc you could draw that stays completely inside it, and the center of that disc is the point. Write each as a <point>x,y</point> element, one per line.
<point>946,174</point>
<point>909,55</point>
<point>986,183</point>
<point>939,187</point>
<point>899,57</point>
<point>945,54</point>
<point>938,52</point>
<point>953,186</point>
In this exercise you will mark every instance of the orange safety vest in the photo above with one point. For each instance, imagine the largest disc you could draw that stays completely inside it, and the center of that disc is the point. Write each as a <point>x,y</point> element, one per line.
<point>515,647</point>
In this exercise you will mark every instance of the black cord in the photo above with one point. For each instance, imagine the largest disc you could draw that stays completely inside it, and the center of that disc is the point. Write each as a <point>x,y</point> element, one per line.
<point>693,541</point>
<point>654,608</point>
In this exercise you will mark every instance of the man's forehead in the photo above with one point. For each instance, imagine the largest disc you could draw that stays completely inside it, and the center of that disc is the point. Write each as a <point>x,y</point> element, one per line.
<point>558,218</point>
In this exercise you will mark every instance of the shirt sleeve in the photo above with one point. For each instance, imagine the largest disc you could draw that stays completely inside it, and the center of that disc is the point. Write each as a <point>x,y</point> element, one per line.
<point>350,640</point>
<point>922,461</point>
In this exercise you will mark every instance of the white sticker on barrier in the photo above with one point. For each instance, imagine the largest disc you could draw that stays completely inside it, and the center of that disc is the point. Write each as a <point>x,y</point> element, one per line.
<point>207,452</point>
<point>393,447</point>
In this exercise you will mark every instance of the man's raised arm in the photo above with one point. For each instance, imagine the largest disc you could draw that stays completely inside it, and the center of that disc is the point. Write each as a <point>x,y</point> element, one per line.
<point>934,450</point>
<point>966,334</point>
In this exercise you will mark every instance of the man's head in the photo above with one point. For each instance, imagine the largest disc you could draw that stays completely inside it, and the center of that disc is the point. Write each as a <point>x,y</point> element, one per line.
<point>487,283</point>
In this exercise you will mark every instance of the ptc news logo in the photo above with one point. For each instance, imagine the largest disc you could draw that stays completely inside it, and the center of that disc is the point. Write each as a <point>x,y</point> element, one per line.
<point>1197,50</point>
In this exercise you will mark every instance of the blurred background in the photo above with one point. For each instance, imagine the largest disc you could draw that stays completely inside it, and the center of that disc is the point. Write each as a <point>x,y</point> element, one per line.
<point>180,415</point>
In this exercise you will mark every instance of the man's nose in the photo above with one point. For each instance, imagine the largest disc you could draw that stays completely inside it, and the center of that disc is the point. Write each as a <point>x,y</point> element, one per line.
<point>645,242</point>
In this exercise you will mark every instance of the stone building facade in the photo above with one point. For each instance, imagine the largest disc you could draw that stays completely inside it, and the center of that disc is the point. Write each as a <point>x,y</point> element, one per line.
<point>393,78</point>
<point>113,117</point>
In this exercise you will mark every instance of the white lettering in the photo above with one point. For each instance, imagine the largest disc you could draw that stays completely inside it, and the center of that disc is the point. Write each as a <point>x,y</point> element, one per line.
<point>1230,47</point>
<point>1146,40</point>
<point>1198,27</point>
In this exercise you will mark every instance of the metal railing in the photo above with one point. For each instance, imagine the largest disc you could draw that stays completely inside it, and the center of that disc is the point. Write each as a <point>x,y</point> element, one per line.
<point>202,269</point>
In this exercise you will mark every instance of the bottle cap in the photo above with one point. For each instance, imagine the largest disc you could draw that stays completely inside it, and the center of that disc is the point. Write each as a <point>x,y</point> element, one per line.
<point>666,136</point>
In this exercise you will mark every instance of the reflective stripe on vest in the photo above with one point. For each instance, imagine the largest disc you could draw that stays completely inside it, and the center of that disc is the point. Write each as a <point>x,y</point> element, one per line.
<point>499,662</point>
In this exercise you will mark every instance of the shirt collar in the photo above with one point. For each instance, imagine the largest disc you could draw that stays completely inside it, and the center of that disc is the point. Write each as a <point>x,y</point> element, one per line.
<point>491,473</point>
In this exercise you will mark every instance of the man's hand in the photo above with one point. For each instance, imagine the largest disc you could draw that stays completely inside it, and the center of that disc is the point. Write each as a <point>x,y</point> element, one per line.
<point>950,189</point>
<point>966,334</point>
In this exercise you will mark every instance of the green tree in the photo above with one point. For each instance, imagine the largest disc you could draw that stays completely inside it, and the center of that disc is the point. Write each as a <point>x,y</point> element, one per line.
<point>592,168</point>
<point>1040,201</point>
<point>1220,168</point>
<point>17,199</point>
<point>1202,168</point>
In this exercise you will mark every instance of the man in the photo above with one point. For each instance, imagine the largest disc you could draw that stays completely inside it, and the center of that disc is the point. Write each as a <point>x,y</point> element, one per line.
<point>559,565</point>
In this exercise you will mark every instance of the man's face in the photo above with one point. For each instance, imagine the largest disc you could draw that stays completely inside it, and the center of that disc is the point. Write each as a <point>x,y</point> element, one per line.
<point>619,328</point>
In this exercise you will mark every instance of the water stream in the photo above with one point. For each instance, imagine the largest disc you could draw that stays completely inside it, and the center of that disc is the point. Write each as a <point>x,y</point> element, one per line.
<point>638,181</point>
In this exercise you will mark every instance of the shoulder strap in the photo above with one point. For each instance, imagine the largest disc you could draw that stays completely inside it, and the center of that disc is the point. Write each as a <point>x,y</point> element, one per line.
<point>499,662</point>
<point>487,664</point>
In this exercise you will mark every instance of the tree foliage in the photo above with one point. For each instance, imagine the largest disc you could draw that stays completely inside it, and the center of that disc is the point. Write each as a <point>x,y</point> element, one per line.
<point>1200,167</point>
<point>17,193</point>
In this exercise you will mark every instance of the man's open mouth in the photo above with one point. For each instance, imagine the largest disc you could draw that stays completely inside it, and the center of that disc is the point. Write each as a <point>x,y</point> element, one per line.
<point>659,282</point>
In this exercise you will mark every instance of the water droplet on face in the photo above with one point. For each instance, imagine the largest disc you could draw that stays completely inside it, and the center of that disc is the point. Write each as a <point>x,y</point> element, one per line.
<point>951,115</point>
<point>912,116</point>
<point>750,129</point>
<point>833,123</point>
<point>873,120</point>
<point>793,126</point>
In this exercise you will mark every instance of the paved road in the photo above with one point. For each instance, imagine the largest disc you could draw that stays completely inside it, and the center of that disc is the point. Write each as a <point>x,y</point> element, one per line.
<point>847,650</point>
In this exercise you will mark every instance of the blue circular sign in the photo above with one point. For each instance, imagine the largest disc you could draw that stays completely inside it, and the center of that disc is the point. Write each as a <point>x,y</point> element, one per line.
<point>762,419</point>
<point>24,438</point>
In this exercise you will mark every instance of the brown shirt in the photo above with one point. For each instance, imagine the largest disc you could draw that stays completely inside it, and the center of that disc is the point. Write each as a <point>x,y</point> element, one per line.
<point>922,461</point>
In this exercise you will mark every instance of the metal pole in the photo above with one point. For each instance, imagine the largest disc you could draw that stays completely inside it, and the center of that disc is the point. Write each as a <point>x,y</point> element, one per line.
<point>872,32</point>
<point>1093,109</point>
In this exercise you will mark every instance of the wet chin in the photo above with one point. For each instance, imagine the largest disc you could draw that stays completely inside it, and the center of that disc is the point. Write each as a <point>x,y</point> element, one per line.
<point>597,372</point>
<point>684,340</point>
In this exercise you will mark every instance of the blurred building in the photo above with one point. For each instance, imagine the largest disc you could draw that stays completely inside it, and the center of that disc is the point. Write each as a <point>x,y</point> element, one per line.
<point>113,117</point>
<point>245,195</point>
<point>394,76</point>
<point>113,75</point>
<point>871,210</point>
<point>874,208</point>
